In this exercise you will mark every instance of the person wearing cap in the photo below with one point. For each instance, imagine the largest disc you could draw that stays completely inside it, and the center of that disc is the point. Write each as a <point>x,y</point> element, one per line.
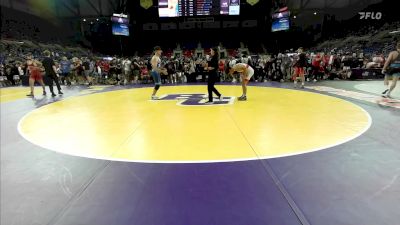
<point>156,70</point>
<point>246,72</point>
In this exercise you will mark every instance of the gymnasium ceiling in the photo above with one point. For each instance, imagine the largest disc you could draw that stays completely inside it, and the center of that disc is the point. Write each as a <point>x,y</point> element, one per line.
<point>80,8</point>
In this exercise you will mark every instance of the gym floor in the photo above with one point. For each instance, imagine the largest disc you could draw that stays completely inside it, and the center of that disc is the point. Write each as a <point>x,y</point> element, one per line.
<point>327,154</point>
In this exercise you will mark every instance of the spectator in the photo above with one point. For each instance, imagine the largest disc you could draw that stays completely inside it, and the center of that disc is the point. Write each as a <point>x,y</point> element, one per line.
<point>127,67</point>
<point>87,71</point>
<point>65,67</point>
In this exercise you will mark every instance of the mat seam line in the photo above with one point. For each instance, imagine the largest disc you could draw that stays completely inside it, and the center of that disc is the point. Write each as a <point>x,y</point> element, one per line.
<point>127,139</point>
<point>292,204</point>
<point>62,212</point>
<point>57,217</point>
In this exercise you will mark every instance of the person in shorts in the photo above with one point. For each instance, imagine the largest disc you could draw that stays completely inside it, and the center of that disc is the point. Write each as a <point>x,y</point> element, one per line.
<point>299,66</point>
<point>392,68</point>
<point>246,72</point>
<point>35,75</point>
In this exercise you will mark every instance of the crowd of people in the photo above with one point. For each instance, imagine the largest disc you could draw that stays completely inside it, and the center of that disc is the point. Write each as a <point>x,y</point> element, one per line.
<point>135,70</point>
<point>85,68</point>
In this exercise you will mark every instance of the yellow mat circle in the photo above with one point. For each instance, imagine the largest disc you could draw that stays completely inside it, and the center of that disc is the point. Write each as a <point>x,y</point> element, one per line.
<point>124,125</point>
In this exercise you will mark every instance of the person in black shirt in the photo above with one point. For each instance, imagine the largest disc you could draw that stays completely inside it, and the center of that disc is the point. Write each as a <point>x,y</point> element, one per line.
<point>113,69</point>
<point>171,70</point>
<point>299,68</point>
<point>268,68</point>
<point>50,70</point>
<point>277,71</point>
<point>13,71</point>
<point>118,70</point>
<point>87,71</point>
<point>212,67</point>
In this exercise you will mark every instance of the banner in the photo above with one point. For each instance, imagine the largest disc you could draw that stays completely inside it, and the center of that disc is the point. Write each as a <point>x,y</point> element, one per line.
<point>146,3</point>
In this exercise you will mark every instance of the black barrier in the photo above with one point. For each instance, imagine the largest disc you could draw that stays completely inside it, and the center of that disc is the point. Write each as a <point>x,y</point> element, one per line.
<point>360,73</point>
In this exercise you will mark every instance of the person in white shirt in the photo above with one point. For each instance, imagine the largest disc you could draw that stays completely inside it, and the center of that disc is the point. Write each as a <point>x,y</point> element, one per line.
<point>127,70</point>
<point>20,70</point>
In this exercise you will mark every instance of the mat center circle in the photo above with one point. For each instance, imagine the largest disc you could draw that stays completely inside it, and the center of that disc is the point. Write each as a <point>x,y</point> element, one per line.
<point>125,125</point>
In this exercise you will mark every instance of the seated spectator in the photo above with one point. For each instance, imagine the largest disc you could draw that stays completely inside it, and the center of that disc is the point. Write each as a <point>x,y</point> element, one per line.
<point>377,62</point>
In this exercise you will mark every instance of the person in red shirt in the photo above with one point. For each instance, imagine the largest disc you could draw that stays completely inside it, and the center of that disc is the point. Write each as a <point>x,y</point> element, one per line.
<point>326,59</point>
<point>316,62</point>
<point>325,65</point>
<point>316,66</point>
<point>144,74</point>
<point>105,68</point>
<point>221,69</point>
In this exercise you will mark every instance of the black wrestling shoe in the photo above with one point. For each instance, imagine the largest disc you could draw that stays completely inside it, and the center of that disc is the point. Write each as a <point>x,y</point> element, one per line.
<point>242,98</point>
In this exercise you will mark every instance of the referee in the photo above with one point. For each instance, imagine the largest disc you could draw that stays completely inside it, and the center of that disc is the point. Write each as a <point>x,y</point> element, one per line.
<point>51,72</point>
<point>212,67</point>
